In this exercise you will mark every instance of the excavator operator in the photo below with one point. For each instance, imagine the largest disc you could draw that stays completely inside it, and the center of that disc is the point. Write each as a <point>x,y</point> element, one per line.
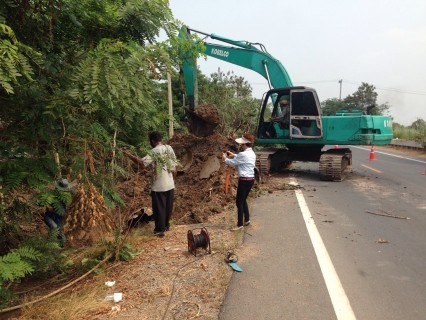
<point>283,118</point>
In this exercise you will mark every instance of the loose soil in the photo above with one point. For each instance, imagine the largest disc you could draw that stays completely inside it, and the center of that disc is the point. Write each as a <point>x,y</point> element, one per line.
<point>195,199</point>
<point>165,280</point>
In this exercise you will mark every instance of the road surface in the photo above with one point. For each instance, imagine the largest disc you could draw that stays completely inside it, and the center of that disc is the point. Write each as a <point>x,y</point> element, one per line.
<point>316,253</point>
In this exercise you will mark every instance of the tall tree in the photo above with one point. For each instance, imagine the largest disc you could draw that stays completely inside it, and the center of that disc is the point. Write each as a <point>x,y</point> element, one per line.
<point>76,76</point>
<point>366,97</point>
<point>331,106</point>
<point>231,95</point>
<point>419,124</point>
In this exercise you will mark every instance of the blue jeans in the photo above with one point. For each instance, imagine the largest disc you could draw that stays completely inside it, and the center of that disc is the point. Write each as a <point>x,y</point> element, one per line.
<point>52,224</point>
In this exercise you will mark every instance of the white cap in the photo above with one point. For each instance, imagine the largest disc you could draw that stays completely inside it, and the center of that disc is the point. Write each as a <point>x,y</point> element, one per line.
<point>242,140</point>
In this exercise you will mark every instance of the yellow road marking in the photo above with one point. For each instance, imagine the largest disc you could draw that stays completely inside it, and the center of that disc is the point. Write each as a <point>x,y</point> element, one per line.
<point>371,168</point>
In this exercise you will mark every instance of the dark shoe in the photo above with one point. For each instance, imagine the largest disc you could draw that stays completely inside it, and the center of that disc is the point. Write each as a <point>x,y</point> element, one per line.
<point>160,234</point>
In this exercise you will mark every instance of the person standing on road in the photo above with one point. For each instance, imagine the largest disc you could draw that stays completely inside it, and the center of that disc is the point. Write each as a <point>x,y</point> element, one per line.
<point>162,159</point>
<point>245,161</point>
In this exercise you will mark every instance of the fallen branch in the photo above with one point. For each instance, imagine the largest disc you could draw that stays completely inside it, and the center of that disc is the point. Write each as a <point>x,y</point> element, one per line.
<point>72,282</point>
<point>387,215</point>
<point>59,290</point>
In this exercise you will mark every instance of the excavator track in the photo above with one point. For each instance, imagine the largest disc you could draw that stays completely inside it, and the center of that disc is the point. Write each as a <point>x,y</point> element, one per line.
<point>335,164</point>
<point>263,163</point>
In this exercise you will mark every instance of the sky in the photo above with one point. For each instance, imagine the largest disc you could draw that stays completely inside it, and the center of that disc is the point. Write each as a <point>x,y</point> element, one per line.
<point>379,42</point>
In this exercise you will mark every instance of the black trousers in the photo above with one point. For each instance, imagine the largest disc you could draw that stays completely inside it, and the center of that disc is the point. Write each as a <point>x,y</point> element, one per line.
<point>162,207</point>
<point>243,190</point>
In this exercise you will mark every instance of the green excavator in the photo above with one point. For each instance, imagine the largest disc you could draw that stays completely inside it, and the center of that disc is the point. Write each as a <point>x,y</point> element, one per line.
<point>298,122</point>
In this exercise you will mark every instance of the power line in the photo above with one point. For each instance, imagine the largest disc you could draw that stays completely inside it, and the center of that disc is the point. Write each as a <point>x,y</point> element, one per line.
<point>420,93</point>
<point>319,81</point>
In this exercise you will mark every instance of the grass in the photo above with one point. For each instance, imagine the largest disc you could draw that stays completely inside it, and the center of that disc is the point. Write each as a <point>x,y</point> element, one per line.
<point>71,304</point>
<point>404,133</point>
<point>84,300</point>
<point>86,296</point>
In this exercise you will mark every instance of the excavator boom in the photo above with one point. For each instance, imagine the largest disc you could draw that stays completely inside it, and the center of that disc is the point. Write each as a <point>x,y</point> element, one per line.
<point>245,54</point>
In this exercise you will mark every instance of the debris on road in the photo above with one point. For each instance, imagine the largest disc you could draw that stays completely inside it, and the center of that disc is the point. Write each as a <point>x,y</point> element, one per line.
<point>385,214</point>
<point>382,241</point>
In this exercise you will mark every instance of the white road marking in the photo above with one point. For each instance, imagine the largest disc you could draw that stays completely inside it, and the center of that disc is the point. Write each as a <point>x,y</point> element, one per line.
<point>390,154</point>
<point>340,301</point>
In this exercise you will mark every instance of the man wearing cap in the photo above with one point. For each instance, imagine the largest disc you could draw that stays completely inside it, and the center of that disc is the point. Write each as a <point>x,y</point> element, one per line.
<point>55,212</point>
<point>245,161</point>
<point>283,117</point>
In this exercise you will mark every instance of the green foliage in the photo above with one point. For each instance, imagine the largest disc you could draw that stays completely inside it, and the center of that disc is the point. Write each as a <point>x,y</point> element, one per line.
<point>419,125</point>
<point>164,161</point>
<point>77,76</point>
<point>52,260</point>
<point>15,59</point>
<point>14,266</point>
<point>331,106</point>
<point>56,198</point>
<point>122,250</point>
<point>416,131</point>
<point>87,264</point>
<point>231,95</point>
<point>364,97</point>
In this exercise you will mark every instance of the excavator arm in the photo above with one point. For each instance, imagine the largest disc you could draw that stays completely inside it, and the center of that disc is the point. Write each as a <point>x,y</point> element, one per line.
<point>243,54</point>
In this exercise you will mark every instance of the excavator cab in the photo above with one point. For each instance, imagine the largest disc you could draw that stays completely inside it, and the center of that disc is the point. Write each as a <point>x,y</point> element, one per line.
<point>290,113</point>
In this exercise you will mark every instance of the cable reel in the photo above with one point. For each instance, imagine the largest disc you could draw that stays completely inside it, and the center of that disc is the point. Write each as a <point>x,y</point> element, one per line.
<point>201,240</point>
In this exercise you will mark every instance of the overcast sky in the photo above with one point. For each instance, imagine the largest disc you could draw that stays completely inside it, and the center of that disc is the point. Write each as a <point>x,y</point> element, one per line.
<point>379,42</point>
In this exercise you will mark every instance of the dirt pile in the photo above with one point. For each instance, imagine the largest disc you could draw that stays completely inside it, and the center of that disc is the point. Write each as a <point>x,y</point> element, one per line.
<point>195,198</point>
<point>203,120</point>
<point>208,113</point>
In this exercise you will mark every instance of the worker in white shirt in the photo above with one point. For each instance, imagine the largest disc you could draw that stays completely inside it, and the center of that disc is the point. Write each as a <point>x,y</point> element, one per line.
<point>245,161</point>
<point>164,170</point>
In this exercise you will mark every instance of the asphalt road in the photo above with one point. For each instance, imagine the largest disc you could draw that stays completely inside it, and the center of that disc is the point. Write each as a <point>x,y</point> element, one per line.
<point>317,253</point>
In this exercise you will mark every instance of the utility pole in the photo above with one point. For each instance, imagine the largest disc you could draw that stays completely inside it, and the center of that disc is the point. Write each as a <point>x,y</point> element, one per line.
<point>169,87</point>
<point>340,95</point>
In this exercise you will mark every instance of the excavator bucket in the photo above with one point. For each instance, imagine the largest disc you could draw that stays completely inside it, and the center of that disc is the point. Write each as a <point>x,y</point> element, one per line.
<point>203,120</point>
<point>186,160</point>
